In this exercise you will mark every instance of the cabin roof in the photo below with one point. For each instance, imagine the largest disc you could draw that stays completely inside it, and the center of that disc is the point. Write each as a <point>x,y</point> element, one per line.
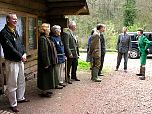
<point>67,7</point>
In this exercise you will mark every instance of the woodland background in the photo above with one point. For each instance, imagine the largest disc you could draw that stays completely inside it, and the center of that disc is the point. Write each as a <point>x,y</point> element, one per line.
<point>114,14</point>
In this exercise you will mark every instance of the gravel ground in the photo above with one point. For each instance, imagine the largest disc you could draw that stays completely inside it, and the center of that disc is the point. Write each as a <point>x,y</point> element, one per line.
<point>118,93</point>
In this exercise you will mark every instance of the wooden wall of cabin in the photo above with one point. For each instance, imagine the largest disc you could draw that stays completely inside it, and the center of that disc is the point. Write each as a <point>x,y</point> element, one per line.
<point>31,14</point>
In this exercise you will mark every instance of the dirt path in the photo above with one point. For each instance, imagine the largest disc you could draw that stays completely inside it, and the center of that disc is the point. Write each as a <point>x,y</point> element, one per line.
<point>118,93</point>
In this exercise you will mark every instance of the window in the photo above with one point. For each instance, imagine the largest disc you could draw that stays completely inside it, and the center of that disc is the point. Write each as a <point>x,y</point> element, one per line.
<point>149,37</point>
<point>20,28</point>
<point>32,33</point>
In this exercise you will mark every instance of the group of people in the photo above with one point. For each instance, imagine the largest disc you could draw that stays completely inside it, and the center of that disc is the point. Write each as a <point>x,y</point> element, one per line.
<point>54,49</point>
<point>96,51</point>
<point>124,46</point>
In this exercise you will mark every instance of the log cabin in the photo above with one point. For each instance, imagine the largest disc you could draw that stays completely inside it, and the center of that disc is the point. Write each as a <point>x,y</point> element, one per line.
<point>31,14</point>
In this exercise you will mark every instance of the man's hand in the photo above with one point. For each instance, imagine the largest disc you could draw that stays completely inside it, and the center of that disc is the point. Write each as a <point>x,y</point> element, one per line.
<point>24,57</point>
<point>128,52</point>
<point>71,56</point>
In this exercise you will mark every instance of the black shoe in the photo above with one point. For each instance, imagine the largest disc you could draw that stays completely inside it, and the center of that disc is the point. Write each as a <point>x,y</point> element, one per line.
<point>49,92</point>
<point>14,109</point>
<point>125,71</point>
<point>76,79</point>
<point>97,80</point>
<point>45,94</point>
<point>69,82</point>
<point>59,87</point>
<point>116,69</point>
<point>23,101</point>
<point>139,74</point>
<point>62,84</point>
<point>1,92</point>
<point>142,78</point>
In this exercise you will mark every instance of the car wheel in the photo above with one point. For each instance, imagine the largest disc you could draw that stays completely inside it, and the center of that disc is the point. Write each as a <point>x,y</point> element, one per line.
<point>134,54</point>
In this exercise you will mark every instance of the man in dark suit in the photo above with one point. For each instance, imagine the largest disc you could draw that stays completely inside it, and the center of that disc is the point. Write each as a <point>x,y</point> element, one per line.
<point>123,47</point>
<point>71,51</point>
<point>101,27</point>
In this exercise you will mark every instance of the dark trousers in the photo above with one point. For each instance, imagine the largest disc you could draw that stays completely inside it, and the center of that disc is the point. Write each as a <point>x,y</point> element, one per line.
<point>119,57</point>
<point>102,61</point>
<point>72,64</point>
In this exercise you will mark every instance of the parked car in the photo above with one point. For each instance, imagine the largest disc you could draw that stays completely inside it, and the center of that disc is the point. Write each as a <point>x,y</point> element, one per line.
<point>134,53</point>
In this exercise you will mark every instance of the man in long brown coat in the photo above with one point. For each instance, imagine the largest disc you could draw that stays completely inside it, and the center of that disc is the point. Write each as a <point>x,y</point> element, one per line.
<point>95,52</point>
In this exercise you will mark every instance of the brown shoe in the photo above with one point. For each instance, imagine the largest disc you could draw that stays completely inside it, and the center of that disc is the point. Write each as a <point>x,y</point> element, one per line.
<point>59,87</point>
<point>14,109</point>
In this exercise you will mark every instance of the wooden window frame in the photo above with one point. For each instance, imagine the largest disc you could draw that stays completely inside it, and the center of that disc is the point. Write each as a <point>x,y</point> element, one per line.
<point>26,27</point>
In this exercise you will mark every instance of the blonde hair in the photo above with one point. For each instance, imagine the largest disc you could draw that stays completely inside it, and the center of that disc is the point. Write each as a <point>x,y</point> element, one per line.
<point>44,27</point>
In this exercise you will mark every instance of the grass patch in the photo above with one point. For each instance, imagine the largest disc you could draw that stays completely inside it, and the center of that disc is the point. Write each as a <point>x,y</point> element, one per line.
<point>83,65</point>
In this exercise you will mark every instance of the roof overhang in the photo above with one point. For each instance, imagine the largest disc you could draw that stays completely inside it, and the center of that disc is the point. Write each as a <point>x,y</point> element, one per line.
<point>67,7</point>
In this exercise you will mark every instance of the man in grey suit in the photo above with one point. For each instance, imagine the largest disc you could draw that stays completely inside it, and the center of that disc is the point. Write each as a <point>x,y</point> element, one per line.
<point>123,47</point>
<point>71,51</point>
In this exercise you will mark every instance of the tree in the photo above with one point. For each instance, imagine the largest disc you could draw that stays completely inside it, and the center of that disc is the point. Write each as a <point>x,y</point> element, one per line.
<point>129,12</point>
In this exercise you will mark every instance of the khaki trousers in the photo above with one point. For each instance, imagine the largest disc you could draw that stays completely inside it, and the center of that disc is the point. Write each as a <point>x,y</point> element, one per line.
<point>59,69</point>
<point>15,81</point>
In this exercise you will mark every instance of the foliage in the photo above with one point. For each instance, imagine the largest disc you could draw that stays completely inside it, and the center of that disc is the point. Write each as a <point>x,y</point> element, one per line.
<point>136,26</point>
<point>110,35</point>
<point>129,12</point>
<point>115,14</point>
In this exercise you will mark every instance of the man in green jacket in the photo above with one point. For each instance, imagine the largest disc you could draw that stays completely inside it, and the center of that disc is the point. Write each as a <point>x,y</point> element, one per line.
<point>143,45</point>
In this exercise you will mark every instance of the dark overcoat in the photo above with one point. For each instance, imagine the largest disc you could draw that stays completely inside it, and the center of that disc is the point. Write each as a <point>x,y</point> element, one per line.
<point>46,57</point>
<point>123,43</point>
<point>70,44</point>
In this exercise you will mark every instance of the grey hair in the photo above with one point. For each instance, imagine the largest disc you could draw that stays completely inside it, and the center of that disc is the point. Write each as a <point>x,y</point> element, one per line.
<point>56,28</point>
<point>71,23</point>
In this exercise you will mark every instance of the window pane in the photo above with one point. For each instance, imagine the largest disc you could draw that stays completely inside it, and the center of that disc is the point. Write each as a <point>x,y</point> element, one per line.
<point>19,27</point>
<point>32,33</point>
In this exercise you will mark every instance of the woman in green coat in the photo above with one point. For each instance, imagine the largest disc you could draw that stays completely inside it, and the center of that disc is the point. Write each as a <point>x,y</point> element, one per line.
<point>143,45</point>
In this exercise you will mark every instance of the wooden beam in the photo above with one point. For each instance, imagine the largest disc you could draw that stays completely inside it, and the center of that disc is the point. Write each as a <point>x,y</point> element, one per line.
<point>64,0</point>
<point>65,4</point>
<point>63,22</point>
<point>67,11</point>
<point>20,5</point>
